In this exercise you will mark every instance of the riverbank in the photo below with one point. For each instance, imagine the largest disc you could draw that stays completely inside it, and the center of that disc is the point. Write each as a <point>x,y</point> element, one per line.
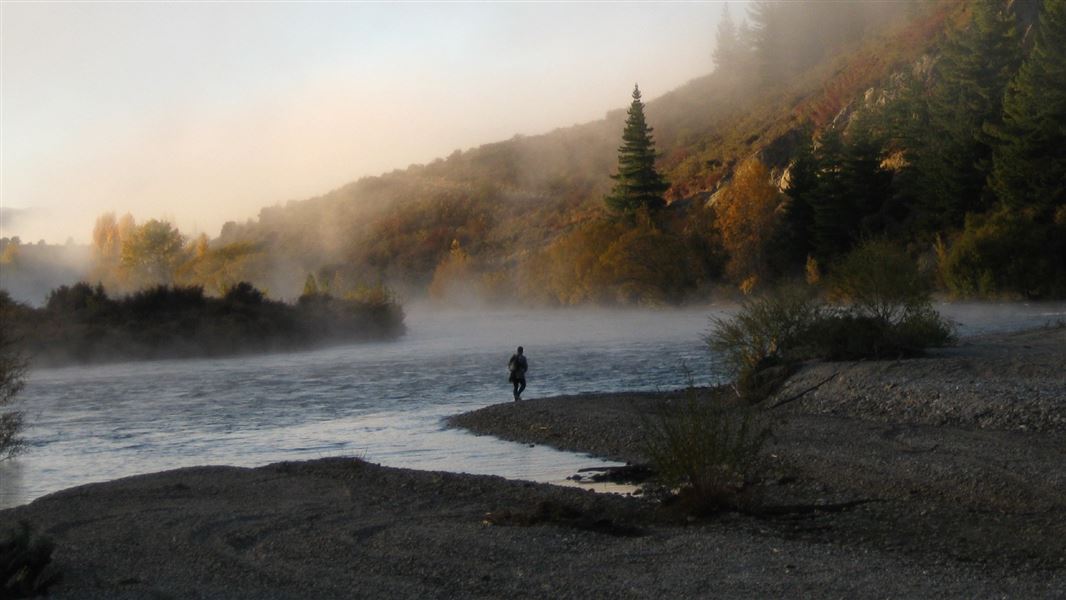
<point>955,456</point>
<point>894,503</point>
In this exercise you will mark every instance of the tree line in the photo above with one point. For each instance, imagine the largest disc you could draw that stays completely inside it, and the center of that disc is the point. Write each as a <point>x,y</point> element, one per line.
<point>82,323</point>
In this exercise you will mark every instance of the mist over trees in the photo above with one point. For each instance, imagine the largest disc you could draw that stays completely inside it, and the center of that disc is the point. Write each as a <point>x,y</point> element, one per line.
<point>82,323</point>
<point>935,126</point>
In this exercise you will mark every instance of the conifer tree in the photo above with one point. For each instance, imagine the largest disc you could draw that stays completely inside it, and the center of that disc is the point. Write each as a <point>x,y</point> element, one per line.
<point>852,191</point>
<point>1030,162</point>
<point>637,185</point>
<point>952,156</point>
<point>795,242</point>
<point>727,42</point>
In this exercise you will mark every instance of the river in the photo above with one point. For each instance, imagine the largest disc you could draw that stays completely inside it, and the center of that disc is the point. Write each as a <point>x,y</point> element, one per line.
<point>383,402</point>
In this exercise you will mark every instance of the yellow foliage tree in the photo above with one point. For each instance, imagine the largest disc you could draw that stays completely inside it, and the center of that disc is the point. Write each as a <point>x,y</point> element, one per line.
<point>748,213</point>
<point>452,275</point>
<point>152,253</point>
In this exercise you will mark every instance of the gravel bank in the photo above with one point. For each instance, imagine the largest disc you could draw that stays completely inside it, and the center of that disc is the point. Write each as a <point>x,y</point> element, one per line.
<point>1006,381</point>
<point>338,528</point>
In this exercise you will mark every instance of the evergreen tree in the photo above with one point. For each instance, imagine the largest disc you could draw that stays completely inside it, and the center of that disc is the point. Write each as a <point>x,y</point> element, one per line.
<point>637,185</point>
<point>951,156</point>
<point>795,242</point>
<point>727,43</point>
<point>1030,161</point>
<point>853,190</point>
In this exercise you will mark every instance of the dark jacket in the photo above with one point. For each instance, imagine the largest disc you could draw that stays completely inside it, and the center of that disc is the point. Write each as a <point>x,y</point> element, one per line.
<point>517,366</point>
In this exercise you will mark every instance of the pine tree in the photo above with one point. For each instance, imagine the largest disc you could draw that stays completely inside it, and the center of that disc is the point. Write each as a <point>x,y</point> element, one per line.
<point>796,240</point>
<point>852,191</point>
<point>727,42</point>
<point>1030,162</point>
<point>637,185</point>
<point>952,156</point>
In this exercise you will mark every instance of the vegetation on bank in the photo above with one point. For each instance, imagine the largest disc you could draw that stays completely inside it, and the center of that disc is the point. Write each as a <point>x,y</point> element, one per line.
<point>26,568</point>
<point>12,379</point>
<point>875,305</point>
<point>879,306</point>
<point>708,450</point>
<point>82,323</point>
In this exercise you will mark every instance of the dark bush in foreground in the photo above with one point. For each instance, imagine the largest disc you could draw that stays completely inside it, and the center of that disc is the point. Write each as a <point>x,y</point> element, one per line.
<point>708,450</point>
<point>26,567</point>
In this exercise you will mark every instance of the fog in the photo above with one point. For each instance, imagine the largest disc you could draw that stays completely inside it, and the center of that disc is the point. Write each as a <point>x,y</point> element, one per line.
<point>381,401</point>
<point>204,113</point>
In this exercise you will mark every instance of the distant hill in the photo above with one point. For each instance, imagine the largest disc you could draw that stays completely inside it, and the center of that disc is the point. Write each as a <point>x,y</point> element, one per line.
<point>824,124</point>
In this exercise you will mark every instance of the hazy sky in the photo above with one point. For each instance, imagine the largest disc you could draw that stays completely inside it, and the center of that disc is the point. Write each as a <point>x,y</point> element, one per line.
<point>206,112</point>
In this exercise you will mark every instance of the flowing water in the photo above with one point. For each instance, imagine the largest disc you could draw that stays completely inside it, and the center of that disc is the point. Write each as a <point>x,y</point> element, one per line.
<point>383,402</point>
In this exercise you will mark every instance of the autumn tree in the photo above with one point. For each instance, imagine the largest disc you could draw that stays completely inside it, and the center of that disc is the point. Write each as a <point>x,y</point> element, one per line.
<point>638,185</point>
<point>107,248</point>
<point>747,217</point>
<point>452,274</point>
<point>152,253</point>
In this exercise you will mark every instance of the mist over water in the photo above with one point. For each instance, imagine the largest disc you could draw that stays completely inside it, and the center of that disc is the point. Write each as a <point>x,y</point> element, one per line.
<point>382,401</point>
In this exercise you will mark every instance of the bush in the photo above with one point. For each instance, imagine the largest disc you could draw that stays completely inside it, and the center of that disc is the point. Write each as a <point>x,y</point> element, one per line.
<point>1004,255</point>
<point>880,281</point>
<point>707,450</point>
<point>25,563</point>
<point>887,313</point>
<point>768,331</point>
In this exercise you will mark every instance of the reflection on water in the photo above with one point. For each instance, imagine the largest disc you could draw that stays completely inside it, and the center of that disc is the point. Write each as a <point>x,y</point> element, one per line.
<point>382,401</point>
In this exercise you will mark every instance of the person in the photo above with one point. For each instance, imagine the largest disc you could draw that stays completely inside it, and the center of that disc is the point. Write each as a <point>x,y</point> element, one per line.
<point>518,366</point>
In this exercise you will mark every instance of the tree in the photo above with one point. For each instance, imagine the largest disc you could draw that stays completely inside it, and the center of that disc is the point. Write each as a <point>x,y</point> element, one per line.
<point>453,275</point>
<point>152,253</point>
<point>1030,161</point>
<point>107,248</point>
<point>310,286</point>
<point>794,242</point>
<point>852,192</point>
<point>12,373</point>
<point>637,185</point>
<point>727,42</point>
<point>748,217</point>
<point>951,154</point>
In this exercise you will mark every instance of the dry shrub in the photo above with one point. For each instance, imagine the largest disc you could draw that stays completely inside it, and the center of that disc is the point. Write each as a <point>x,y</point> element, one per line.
<point>708,450</point>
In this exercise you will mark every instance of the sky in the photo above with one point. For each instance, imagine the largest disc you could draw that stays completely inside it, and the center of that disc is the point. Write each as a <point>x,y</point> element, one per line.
<point>205,112</point>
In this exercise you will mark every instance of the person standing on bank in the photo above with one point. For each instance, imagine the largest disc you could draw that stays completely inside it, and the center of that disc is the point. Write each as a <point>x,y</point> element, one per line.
<point>518,366</point>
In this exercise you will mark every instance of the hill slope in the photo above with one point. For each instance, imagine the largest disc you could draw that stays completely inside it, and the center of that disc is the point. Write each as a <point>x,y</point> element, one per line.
<point>524,218</point>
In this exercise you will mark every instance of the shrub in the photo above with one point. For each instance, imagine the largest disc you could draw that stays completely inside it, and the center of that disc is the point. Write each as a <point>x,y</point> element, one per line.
<point>706,449</point>
<point>25,563</point>
<point>888,313</point>
<point>769,331</point>
<point>878,280</point>
<point>243,293</point>
<point>1006,254</point>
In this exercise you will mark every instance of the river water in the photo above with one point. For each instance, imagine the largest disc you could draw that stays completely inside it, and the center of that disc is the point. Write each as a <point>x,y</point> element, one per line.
<point>383,402</point>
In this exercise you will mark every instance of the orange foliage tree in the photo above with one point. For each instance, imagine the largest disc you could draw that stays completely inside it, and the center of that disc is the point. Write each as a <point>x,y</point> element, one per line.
<point>748,213</point>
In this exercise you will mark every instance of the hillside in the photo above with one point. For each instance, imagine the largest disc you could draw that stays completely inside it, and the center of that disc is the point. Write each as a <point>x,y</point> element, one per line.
<point>854,121</point>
